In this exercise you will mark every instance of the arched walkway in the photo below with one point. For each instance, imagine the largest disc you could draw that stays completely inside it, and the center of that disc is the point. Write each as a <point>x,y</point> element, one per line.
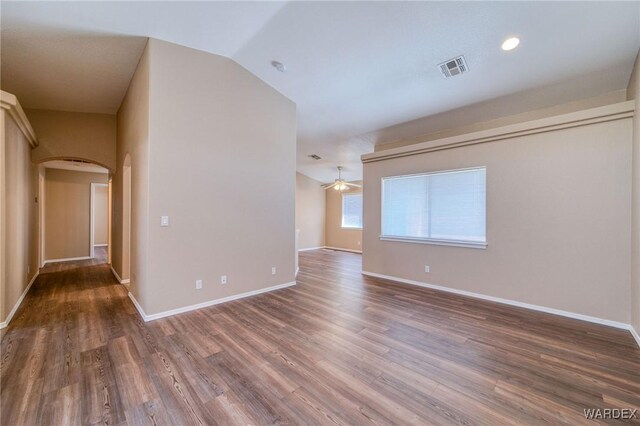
<point>74,210</point>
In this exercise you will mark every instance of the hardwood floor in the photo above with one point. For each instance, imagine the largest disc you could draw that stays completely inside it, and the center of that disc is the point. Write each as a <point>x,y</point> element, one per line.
<point>338,348</point>
<point>100,257</point>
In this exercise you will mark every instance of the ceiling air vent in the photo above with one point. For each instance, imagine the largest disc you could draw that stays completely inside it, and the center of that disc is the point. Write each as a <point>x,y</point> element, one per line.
<point>315,157</point>
<point>453,67</point>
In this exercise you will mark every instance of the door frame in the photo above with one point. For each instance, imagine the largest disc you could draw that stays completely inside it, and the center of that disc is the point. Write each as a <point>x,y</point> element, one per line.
<point>42,181</point>
<point>92,217</point>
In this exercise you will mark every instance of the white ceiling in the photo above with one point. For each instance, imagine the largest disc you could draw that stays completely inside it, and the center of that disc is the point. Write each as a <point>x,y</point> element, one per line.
<point>353,68</point>
<point>75,166</point>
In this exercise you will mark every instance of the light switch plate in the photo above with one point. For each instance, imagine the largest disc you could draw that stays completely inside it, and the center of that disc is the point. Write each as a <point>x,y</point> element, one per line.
<point>164,220</point>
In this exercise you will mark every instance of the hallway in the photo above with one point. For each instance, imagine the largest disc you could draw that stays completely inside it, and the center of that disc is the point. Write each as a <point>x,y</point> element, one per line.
<point>336,348</point>
<point>101,254</point>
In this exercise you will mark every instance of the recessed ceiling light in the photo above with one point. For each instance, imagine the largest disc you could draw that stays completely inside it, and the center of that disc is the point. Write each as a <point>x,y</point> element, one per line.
<point>279,66</point>
<point>510,43</point>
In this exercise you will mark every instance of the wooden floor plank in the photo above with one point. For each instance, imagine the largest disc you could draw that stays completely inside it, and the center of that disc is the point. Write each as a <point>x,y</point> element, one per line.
<point>339,348</point>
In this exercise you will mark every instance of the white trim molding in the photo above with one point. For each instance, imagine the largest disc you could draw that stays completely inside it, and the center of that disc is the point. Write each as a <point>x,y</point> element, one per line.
<point>435,242</point>
<point>601,114</point>
<point>115,274</point>
<point>11,104</point>
<point>177,311</point>
<point>538,308</point>
<point>92,218</point>
<point>138,307</point>
<point>100,245</point>
<point>66,259</point>
<point>342,249</point>
<point>6,322</point>
<point>635,335</point>
<point>311,248</point>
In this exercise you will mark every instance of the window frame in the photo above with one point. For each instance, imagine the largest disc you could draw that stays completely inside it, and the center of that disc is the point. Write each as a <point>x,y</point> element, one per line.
<point>356,193</point>
<point>433,241</point>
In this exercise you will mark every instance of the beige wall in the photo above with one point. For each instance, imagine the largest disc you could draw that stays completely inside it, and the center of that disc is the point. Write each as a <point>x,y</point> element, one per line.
<point>222,167</point>
<point>101,215</point>
<point>490,114</point>
<point>310,212</point>
<point>634,93</point>
<point>335,235</point>
<point>558,221</point>
<point>67,212</point>
<point>74,135</point>
<point>19,215</point>
<point>133,143</point>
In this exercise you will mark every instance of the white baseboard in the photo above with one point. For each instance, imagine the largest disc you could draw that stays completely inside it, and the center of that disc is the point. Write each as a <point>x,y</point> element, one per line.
<point>120,280</point>
<point>506,301</point>
<point>176,311</point>
<point>343,249</point>
<point>100,245</point>
<point>115,274</point>
<point>635,335</point>
<point>138,307</point>
<point>66,259</point>
<point>19,302</point>
<point>311,248</point>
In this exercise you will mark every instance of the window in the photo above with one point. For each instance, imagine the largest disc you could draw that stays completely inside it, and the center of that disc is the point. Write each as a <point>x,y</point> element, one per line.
<point>352,210</point>
<point>439,208</point>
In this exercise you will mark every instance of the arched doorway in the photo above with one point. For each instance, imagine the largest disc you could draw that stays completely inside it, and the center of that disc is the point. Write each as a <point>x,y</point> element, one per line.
<point>74,211</point>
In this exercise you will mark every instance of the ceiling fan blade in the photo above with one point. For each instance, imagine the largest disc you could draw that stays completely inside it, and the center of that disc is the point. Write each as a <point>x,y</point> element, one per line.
<point>355,185</point>
<point>329,185</point>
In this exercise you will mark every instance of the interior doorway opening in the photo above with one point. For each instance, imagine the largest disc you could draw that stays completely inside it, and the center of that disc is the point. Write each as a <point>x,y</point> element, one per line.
<point>74,211</point>
<point>99,229</point>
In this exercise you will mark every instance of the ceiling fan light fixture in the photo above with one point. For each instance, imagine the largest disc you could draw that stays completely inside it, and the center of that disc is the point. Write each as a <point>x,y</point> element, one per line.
<point>340,186</point>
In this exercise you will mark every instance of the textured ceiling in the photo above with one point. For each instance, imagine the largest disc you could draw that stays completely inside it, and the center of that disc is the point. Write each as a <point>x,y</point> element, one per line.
<point>355,69</point>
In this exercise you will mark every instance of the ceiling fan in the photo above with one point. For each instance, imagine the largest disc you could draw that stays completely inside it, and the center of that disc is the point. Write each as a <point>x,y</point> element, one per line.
<point>340,184</point>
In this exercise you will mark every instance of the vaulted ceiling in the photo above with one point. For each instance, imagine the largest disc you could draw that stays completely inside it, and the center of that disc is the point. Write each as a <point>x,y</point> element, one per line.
<point>354,69</point>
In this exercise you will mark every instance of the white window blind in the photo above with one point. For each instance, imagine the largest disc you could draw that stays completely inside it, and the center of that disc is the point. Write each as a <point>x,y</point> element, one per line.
<point>440,207</point>
<point>352,210</point>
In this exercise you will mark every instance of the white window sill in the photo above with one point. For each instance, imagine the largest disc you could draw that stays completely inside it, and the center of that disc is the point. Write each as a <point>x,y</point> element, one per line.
<point>351,227</point>
<point>434,241</point>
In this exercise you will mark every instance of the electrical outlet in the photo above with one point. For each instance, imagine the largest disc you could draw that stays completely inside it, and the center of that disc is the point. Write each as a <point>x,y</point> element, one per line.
<point>273,270</point>
<point>427,268</point>
<point>198,284</point>
<point>223,279</point>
